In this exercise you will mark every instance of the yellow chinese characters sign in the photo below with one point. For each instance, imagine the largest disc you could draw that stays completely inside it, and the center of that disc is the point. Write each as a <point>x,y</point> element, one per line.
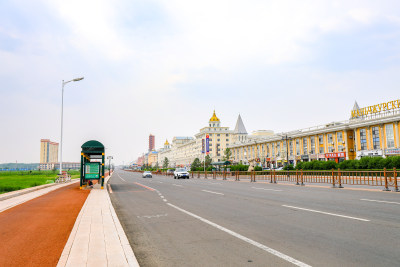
<point>376,109</point>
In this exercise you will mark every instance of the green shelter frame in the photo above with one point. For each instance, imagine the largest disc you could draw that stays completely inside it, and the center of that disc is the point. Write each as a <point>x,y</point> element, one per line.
<point>92,150</point>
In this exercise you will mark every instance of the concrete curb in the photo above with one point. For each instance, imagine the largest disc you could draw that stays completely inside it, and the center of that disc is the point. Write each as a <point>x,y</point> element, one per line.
<point>97,238</point>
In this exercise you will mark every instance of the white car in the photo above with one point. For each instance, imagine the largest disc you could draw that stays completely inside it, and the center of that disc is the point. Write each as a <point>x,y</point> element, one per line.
<point>147,174</point>
<point>181,173</point>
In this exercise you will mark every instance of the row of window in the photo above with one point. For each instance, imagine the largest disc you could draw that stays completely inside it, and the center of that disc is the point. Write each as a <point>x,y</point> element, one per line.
<point>376,144</point>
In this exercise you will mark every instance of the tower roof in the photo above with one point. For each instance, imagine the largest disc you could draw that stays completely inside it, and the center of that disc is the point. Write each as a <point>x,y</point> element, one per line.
<point>214,117</point>
<point>166,142</point>
<point>355,107</point>
<point>239,128</point>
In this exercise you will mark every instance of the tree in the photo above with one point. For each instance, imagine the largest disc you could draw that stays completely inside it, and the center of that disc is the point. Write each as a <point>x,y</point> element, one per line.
<point>227,154</point>
<point>156,166</point>
<point>208,160</point>
<point>196,164</point>
<point>165,163</point>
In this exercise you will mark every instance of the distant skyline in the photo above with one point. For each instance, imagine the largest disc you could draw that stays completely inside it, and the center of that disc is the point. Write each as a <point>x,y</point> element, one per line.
<point>162,67</point>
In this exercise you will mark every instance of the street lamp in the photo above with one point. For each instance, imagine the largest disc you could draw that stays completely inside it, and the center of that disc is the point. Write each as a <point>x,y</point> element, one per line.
<point>109,164</point>
<point>286,138</point>
<point>62,110</point>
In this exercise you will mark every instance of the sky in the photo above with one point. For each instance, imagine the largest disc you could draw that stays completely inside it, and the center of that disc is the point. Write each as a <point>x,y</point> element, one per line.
<point>162,67</point>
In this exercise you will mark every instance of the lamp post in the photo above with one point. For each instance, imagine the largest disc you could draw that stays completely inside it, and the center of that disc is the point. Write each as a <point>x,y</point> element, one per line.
<point>62,111</point>
<point>286,138</point>
<point>109,164</point>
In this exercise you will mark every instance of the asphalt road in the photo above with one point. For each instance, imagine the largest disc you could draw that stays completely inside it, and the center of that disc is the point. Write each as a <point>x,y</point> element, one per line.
<point>204,222</point>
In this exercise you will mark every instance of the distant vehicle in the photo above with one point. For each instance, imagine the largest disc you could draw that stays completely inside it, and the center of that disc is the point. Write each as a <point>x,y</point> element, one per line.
<point>170,172</point>
<point>279,168</point>
<point>181,173</point>
<point>147,174</point>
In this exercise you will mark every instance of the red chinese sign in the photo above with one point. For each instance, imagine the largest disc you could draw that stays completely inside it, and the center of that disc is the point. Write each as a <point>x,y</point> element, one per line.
<point>335,155</point>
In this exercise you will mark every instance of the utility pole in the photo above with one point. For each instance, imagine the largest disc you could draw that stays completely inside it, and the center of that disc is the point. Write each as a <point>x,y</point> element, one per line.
<point>286,138</point>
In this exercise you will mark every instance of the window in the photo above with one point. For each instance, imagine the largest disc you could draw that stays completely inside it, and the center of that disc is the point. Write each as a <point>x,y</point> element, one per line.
<point>321,140</point>
<point>272,150</point>
<point>330,138</point>
<point>340,148</point>
<point>363,139</point>
<point>331,149</point>
<point>297,147</point>
<point>218,140</point>
<point>218,134</point>
<point>375,137</point>
<point>227,140</point>
<point>340,137</point>
<point>305,146</point>
<point>389,135</point>
<point>291,148</point>
<point>278,149</point>
<point>321,150</point>
<point>312,142</point>
<point>227,135</point>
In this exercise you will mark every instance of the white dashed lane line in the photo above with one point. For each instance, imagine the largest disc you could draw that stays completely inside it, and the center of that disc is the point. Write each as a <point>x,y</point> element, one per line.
<point>177,185</point>
<point>260,188</point>
<point>327,213</point>
<point>381,201</point>
<point>212,192</point>
<point>245,239</point>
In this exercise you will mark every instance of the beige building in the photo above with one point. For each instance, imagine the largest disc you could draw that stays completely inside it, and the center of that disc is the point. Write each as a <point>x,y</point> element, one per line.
<point>184,150</point>
<point>48,151</point>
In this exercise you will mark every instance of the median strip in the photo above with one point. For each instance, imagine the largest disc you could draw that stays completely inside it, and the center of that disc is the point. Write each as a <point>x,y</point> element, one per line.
<point>327,213</point>
<point>212,192</point>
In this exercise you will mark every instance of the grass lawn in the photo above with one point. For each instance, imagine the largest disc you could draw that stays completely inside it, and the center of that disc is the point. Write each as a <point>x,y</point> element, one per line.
<point>16,180</point>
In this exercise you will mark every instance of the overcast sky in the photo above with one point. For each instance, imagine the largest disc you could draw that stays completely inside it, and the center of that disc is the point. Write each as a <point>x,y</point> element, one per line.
<point>161,67</point>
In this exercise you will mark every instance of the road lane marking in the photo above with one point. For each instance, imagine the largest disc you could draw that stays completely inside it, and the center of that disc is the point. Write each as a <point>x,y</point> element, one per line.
<point>121,178</point>
<point>243,238</point>
<point>215,183</point>
<point>381,201</point>
<point>147,187</point>
<point>109,189</point>
<point>153,216</point>
<point>327,213</point>
<point>176,184</point>
<point>267,189</point>
<point>212,192</point>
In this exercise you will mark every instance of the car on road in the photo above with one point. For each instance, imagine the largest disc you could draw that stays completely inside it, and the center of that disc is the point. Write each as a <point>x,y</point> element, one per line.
<point>147,174</point>
<point>181,173</point>
<point>170,172</point>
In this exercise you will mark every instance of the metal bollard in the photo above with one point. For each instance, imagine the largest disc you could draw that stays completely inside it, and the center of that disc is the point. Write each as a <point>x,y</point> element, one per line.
<point>386,181</point>
<point>333,179</point>
<point>396,188</point>
<point>301,177</point>
<point>340,180</point>
<point>297,177</point>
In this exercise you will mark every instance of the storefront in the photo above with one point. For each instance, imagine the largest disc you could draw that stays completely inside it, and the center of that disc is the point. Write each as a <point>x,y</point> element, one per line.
<point>313,157</point>
<point>389,152</point>
<point>338,157</point>
<point>321,157</point>
<point>305,158</point>
<point>369,153</point>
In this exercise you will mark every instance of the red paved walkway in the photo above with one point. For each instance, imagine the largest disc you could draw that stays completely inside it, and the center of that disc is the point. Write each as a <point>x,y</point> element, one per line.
<point>35,232</point>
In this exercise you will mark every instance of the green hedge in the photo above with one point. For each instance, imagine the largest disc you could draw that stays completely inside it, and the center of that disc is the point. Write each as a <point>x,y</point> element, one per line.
<point>366,163</point>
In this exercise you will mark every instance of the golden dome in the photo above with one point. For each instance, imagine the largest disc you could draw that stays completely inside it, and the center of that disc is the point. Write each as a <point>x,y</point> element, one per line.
<point>214,117</point>
<point>166,143</point>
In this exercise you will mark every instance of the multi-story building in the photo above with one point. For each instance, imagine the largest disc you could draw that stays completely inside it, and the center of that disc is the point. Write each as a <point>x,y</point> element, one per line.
<point>184,150</point>
<point>48,151</point>
<point>152,142</point>
<point>370,131</point>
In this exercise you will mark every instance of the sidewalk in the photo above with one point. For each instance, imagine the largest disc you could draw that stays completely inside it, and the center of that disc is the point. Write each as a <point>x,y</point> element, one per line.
<point>97,238</point>
<point>12,199</point>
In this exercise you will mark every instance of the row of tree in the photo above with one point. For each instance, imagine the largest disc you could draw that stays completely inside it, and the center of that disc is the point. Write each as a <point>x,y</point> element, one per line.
<point>366,163</point>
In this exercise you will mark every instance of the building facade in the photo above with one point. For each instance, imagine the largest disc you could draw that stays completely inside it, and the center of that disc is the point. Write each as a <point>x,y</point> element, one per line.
<point>371,131</point>
<point>48,151</point>
<point>152,142</point>
<point>184,150</point>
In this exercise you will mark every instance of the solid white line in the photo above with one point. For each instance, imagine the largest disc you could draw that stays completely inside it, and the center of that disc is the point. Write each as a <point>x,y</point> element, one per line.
<point>327,213</point>
<point>177,184</point>
<point>243,238</point>
<point>121,178</point>
<point>109,187</point>
<point>165,200</point>
<point>212,192</point>
<point>381,201</point>
<point>267,189</point>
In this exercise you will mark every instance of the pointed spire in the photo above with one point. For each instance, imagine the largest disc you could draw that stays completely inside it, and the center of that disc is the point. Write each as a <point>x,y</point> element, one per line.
<point>355,107</point>
<point>214,117</point>
<point>239,128</point>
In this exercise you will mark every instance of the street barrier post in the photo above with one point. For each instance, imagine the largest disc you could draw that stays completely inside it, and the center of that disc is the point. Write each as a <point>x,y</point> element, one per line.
<point>340,178</point>
<point>386,181</point>
<point>333,179</point>
<point>396,188</point>
<point>297,177</point>
<point>301,177</point>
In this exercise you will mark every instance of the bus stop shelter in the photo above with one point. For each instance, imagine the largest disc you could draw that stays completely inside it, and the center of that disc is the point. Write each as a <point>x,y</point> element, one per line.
<point>92,163</point>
